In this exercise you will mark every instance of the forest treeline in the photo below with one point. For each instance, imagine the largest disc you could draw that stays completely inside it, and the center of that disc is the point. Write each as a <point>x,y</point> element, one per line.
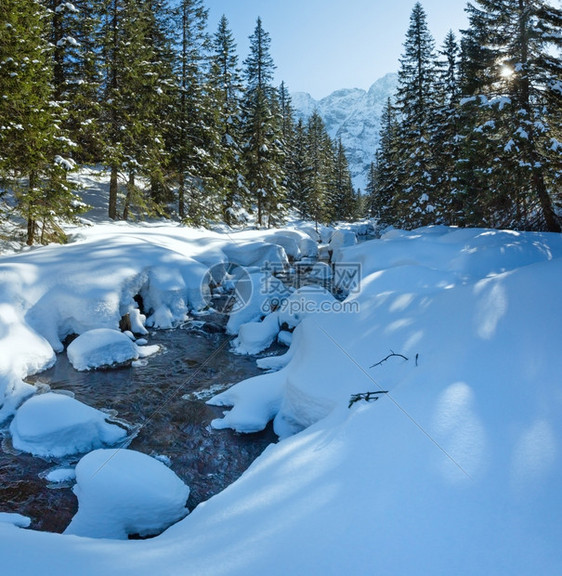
<point>473,136</point>
<point>186,130</point>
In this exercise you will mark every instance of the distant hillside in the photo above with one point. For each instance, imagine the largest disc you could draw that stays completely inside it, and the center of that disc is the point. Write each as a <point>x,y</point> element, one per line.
<point>354,115</point>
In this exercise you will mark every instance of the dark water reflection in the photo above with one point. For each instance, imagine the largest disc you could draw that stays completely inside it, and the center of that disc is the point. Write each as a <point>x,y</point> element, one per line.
<point>166,399</point>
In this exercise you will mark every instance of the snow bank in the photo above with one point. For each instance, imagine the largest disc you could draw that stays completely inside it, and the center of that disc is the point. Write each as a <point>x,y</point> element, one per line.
<point>52,292</point>
<point>123,492</point>
<point>57,425</point>
<point>454,470</point>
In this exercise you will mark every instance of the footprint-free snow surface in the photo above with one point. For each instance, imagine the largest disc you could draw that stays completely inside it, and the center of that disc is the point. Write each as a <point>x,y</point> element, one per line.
<point>454,469</point>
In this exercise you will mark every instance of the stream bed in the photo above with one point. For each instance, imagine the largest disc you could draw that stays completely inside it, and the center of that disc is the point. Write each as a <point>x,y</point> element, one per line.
<point>165,401</point>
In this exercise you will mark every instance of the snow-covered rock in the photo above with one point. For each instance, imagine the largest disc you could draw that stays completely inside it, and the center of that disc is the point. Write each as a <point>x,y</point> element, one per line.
<point>253,337</point>
<point>256,253</point>
<point>303,302</point>
<point>56,425</point>
<point>123,492</point>
<point>101,347</point>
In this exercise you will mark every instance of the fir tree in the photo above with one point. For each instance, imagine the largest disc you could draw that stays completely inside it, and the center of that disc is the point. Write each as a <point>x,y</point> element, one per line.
<point>415,200</point>
<point>509,76</point>
<point>226,83</point>
<point>33,146</point>
<point>263,153</point>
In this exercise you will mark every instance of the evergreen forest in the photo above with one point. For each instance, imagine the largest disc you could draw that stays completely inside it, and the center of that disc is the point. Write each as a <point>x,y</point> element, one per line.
<point>188,131</point>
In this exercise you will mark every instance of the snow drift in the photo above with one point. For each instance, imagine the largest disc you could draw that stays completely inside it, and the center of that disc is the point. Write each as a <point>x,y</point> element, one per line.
<point>455,469</point>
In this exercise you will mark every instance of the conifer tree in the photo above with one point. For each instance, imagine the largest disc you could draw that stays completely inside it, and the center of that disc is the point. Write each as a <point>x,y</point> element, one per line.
<point>415,199</point>
<point>445,137</point>
<point>288,135</point>
<point>263,153</point>
<point>344,201</point>
<point>226,83</point>
<point>511,102</point>
<point>298,172</point>
<point>193,140</point>
<point>134,91</point>
<point>383,176</point>
<point>33,147</point>
<point>321,186</point>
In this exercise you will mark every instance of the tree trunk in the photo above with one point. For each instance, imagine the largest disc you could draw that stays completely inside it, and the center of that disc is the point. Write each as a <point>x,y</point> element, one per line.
<point>31,223</point>
<point>181,196</point>
<point>552,224</point>
<point>130,189</point>
<point>113,193</point>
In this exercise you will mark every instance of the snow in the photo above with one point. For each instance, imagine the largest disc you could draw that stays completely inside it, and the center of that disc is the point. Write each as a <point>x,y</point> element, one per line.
<point>455,469</point>
<point>56,425</point>
<point>253,337</point>
<point>103,347</point>
<point>123,492</point>
<point>354,116</point>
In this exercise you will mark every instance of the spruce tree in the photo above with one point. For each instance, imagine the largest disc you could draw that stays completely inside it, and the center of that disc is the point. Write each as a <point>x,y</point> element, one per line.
<point>227,88</point>
<point>321,183</point>
<point>344,201</point>
<point>510,76</point>
<point>383,176</point>
<point>299,171</point>
<point>34,148</point>
<point>192,136</point>
<point>445,136</point>
<point>263,153</point>
<point>415,198</point>
<point>135,93</point>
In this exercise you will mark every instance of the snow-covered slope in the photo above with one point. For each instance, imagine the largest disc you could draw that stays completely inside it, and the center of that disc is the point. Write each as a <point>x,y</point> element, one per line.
<point>354,115</point>
<point>454,470</point>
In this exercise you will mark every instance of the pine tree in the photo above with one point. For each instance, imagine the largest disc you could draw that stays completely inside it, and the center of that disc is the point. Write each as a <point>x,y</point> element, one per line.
<point>226,83</point>
<point>193,139</point>
<point>33,145</point>
<point>263,153</point>
<point>344,201</point>
<point>415,199</point>
<point>445,138</point>
<point>383,175</point>
<point>510,75</point>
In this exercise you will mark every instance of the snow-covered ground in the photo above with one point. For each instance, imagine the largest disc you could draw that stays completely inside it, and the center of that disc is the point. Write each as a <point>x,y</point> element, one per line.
<point>455,469</point>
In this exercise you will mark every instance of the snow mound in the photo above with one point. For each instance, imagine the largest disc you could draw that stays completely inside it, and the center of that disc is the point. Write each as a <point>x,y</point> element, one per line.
<point>124,492</point>
<point>253,337</point>
<point>56,425</point>
<point>303,302</point>
<point>101,347</point>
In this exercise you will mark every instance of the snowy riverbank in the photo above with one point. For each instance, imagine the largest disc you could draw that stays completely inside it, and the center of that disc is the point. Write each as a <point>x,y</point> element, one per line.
<point>454,469</point>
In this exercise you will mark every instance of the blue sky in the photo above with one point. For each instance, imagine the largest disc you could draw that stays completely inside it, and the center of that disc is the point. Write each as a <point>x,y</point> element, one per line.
<point>322,45</point>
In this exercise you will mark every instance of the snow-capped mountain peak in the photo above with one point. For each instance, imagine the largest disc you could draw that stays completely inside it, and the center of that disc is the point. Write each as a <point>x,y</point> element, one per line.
<point>352,114</point>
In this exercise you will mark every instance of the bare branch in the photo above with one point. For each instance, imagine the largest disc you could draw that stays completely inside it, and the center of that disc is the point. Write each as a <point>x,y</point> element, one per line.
<point>389,356</point>
<point>367,396</point>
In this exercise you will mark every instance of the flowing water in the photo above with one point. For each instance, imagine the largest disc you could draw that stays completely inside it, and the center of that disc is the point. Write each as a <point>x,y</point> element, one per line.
<point>164,401</point>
